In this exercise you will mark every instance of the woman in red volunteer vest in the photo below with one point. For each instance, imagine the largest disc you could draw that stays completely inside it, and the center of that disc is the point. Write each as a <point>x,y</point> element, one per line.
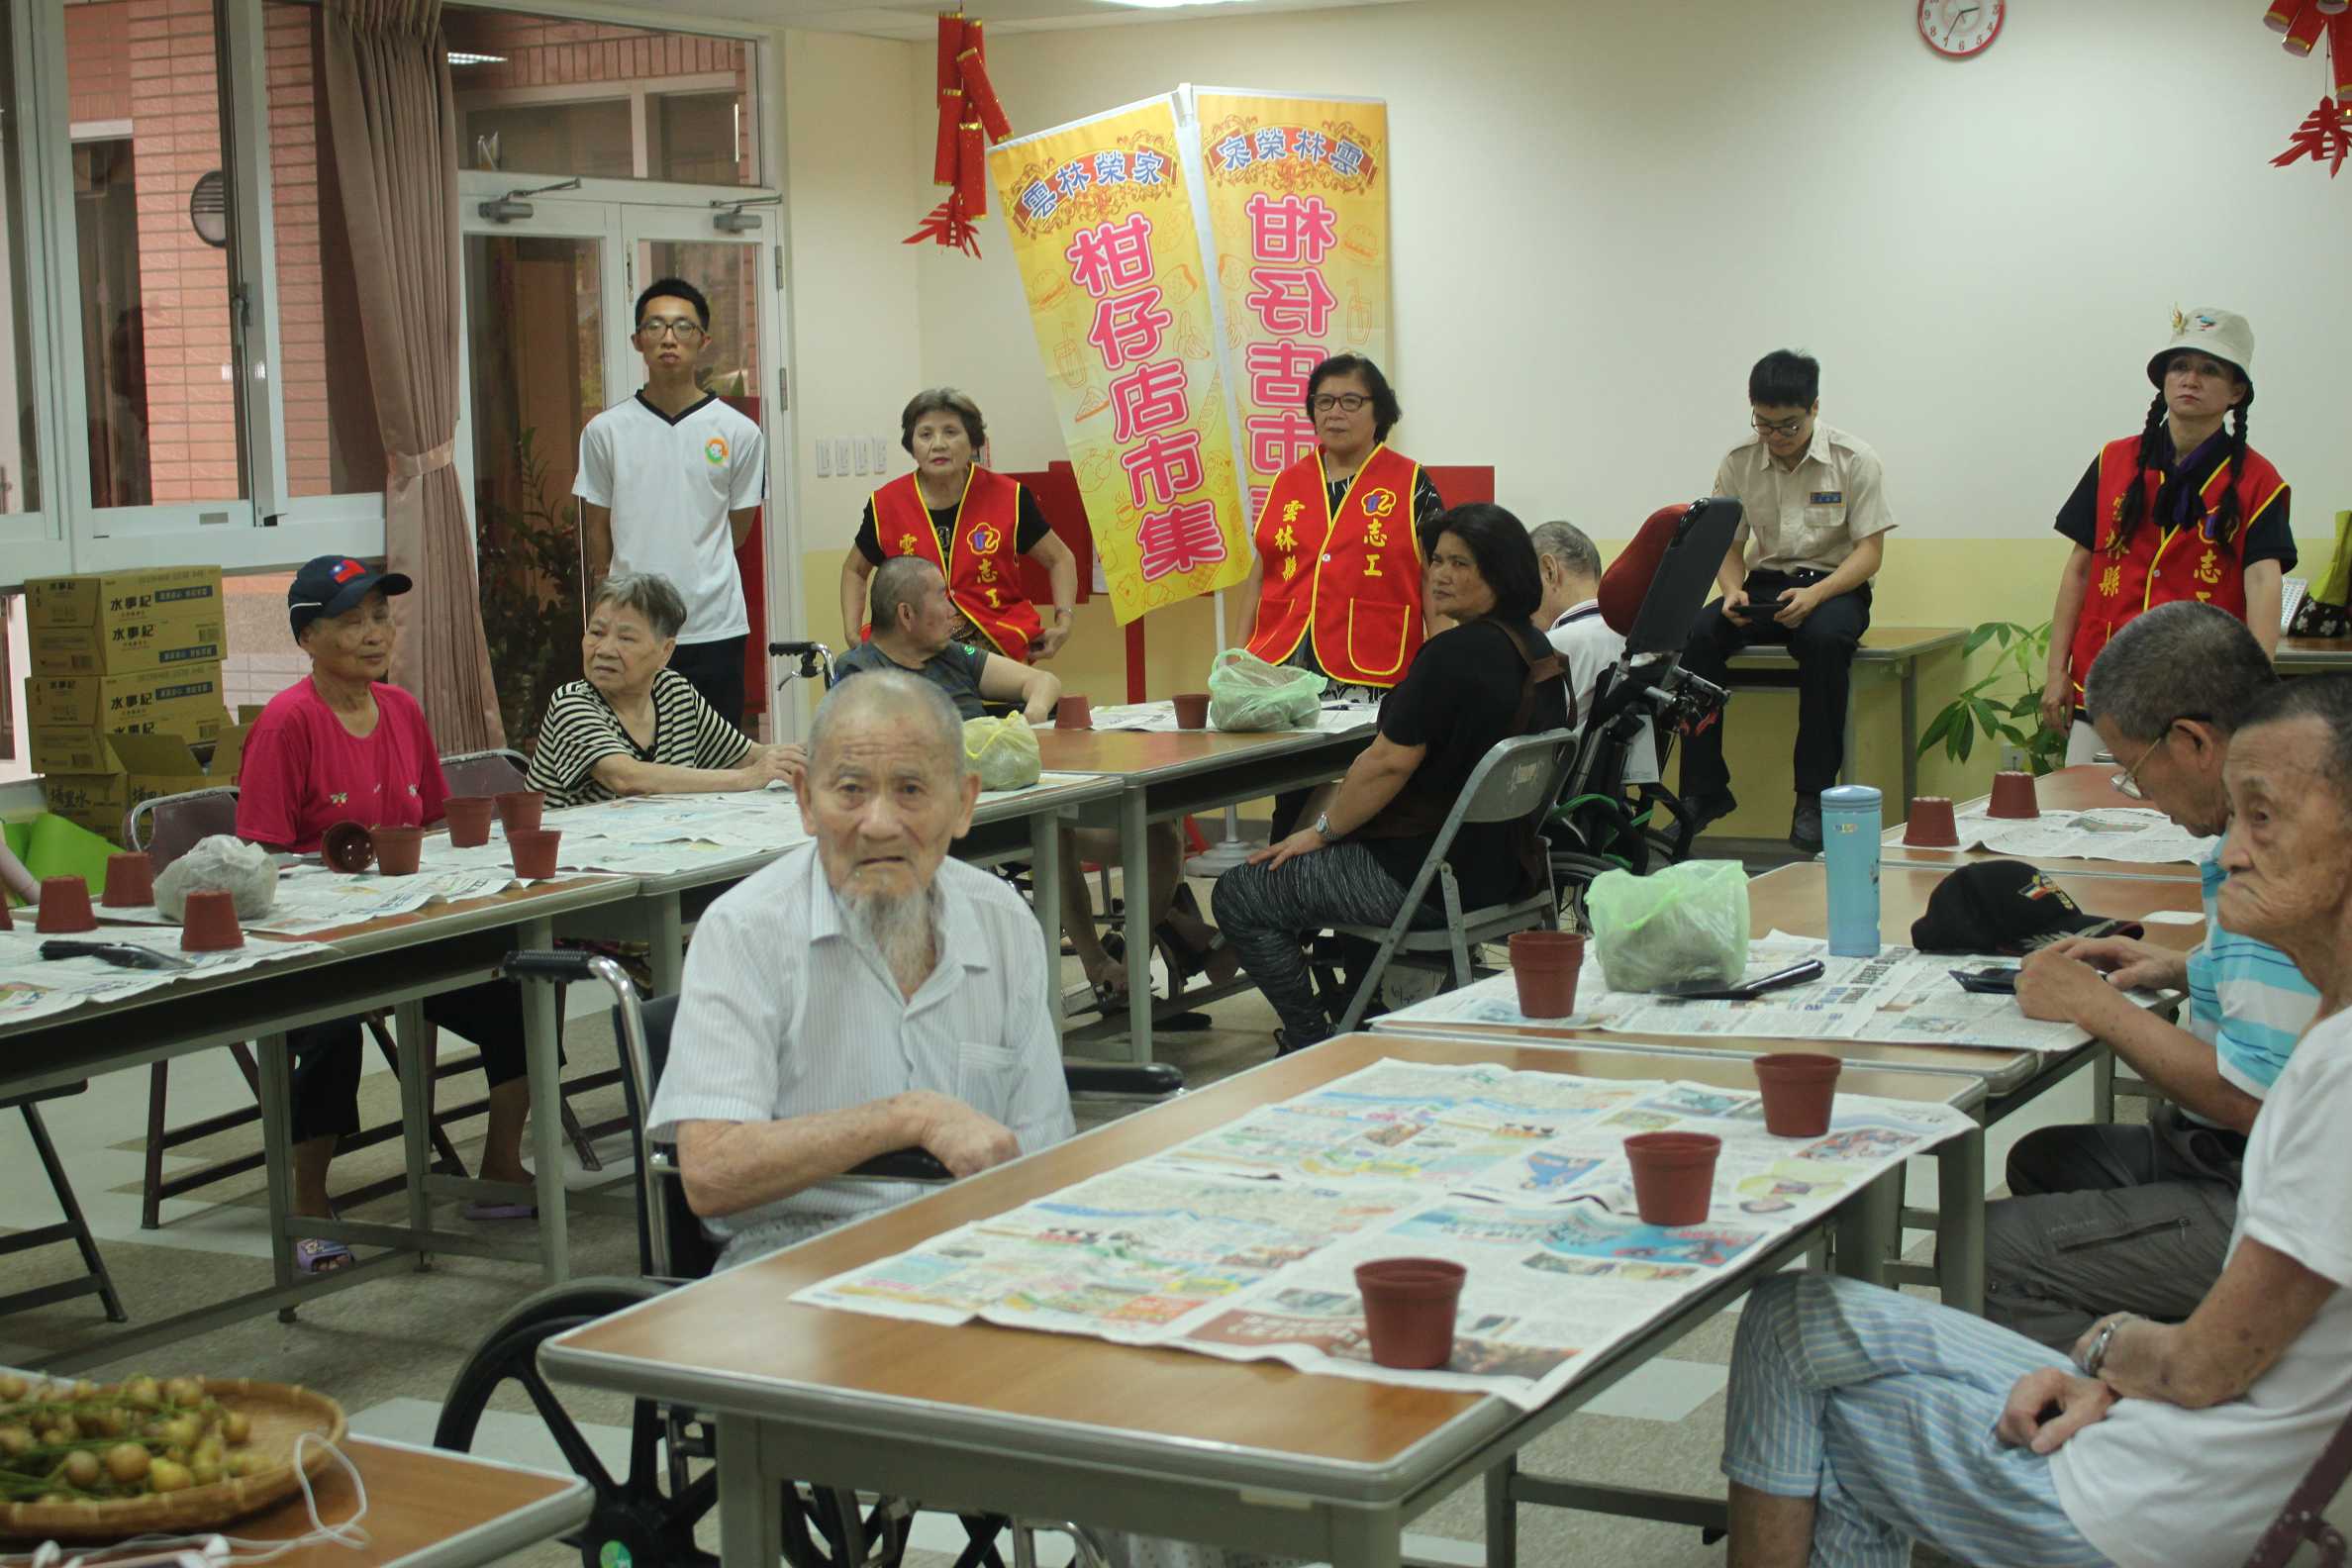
<point>2184,510</point>
<point>1336,587</point>
<point>971,523</point>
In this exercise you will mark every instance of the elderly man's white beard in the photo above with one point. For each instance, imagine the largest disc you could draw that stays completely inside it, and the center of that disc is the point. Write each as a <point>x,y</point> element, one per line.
<point>899,929</point>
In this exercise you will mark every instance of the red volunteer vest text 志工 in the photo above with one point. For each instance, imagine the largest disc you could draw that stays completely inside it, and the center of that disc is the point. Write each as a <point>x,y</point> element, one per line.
<point>1351,581</point>
<point>983,564</point>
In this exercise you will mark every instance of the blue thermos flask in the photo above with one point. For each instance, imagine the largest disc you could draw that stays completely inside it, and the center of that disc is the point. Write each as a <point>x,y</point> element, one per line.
<point>1850,844</point>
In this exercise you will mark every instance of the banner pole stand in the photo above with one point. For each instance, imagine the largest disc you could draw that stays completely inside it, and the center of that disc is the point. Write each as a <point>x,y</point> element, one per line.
<point>1221,857</point>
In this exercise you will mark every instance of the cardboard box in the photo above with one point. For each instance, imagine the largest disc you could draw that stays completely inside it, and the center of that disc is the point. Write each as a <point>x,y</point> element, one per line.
<point>157,596</point>
<point>138,767</point>
<point>185,701</point>
<point>128,647</point>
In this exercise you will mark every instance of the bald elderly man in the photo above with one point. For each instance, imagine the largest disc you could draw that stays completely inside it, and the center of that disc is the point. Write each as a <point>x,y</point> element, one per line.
<point>864,992</point>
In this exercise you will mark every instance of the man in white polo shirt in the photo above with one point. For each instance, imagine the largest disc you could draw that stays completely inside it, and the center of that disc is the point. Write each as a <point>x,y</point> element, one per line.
<point>671,483</point>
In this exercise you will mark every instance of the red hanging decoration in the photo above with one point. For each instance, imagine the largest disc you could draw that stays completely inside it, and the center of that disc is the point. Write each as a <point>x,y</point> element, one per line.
<point>970,121</point>
<point>2326,135</point>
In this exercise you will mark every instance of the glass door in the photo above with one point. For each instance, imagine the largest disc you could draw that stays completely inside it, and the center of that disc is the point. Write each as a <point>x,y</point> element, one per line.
<point>539,366</point>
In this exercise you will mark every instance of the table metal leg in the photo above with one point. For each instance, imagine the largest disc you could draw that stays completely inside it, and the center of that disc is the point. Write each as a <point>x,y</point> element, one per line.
<point>1911,733</point>
<point>542,1055</point>
<point>277,1156</point>
<point>2102,1082</point>
<point>751,1500</point>
<point>1867,1228</point>
<point>1134,859</point>
<point>416,1112</point>
<point>1502,1515</point>
<point>666,923</point>
<point>1045,829</point>
<point>1960,1221</point>
<point>1368,1538</point>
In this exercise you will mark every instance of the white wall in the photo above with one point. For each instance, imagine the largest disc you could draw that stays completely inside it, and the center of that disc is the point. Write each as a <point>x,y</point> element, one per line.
<point>1604,210</point>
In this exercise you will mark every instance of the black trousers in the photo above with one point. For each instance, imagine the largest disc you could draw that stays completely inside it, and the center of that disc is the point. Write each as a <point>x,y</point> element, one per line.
<point>1824,646</point>
<point>326,1061</point>
<point>716,670</point>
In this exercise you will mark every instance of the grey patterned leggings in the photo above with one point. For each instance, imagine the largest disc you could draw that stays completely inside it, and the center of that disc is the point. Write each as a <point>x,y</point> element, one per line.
<point>1264,912</point>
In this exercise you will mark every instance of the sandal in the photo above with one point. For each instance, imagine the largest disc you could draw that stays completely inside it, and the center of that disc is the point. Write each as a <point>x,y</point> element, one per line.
<point>319,1256</point>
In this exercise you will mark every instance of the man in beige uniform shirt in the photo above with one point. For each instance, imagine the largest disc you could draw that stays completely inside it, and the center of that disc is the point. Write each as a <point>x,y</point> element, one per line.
<point>1811,534</point>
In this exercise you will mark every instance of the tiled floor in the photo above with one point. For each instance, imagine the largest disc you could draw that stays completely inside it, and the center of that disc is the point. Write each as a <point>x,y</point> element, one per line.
<point>389,1349</point>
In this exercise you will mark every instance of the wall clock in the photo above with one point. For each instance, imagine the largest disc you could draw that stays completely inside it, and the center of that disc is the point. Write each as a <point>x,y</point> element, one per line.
<point>1961,28</point>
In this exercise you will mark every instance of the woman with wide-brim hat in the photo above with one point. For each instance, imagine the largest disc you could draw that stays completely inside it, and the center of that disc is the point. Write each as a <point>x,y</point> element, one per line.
<point>2183,510</point>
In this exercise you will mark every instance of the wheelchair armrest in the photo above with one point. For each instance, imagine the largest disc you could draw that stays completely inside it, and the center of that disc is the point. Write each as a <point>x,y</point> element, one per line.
<point>907,1164</point>
<point>1150,1081</point>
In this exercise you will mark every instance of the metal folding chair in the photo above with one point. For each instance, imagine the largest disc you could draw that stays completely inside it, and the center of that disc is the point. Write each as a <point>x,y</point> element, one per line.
<point>1515,781</point>
<point>486,772</point>
<point>2301,1520</point>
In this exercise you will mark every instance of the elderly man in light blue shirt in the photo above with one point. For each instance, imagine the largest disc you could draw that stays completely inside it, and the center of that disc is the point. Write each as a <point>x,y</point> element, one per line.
<point>864,992</point>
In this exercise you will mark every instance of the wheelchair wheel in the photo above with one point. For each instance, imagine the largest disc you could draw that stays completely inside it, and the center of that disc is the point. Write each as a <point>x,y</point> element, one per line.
<point>649,1516</point>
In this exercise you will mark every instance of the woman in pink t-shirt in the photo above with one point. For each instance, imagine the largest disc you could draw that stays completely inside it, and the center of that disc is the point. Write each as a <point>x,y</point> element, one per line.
<point>343,745</point>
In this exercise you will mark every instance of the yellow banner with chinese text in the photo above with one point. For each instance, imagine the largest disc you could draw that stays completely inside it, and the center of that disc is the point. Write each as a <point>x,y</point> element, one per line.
<point>1298,218</point>
<point>1109,250</point>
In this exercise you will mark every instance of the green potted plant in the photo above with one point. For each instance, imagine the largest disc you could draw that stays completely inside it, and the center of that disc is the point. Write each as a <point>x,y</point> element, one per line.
<point>2006,705</point>
<point>529,559</point>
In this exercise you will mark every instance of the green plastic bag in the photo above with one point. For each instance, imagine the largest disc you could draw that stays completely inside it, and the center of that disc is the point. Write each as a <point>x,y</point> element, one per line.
<point>1248,693</point>
<point>1003,751</point>
<point>1685,922</point>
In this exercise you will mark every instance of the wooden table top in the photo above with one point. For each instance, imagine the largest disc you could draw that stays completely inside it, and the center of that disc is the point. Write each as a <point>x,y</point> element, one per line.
<point>740,1326</point>
<point>1880,645</point>
<point>1795,899</point>
<point>2088,787</point>
<point>2319,653</point>
<point>1167,751</point>
<point>420,1501</point>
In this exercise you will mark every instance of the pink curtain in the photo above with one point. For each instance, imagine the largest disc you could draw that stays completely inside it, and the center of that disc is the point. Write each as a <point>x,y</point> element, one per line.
<point>392,118</point>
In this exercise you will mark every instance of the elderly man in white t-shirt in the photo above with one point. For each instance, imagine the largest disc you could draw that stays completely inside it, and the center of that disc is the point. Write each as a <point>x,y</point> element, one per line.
<point>1570,565</point>
<point>863,994</point>
<point>670,485</point>
<point>1860,1420</point>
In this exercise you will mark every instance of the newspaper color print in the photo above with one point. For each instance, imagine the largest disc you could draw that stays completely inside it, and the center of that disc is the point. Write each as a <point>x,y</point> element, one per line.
<point>1241,1243</point>
<point>1902,997</point>
<point>2130,833</point>
<point>34,986</point>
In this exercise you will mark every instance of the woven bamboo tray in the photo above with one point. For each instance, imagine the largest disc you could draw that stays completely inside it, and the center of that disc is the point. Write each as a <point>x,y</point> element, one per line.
<point>280,1412</point>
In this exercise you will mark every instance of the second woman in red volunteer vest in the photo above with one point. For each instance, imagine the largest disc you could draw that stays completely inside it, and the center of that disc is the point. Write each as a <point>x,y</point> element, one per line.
<point>2184,510</point>
<point>1336,587</point>
<point>971,523</point>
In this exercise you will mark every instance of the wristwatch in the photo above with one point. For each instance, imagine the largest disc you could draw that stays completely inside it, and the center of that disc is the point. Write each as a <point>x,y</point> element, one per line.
<point>2096,1357</point>
<point>1322,828</point>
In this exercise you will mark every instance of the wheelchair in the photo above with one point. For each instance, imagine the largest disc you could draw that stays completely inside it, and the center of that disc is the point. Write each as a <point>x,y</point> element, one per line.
<point>648,1513</point>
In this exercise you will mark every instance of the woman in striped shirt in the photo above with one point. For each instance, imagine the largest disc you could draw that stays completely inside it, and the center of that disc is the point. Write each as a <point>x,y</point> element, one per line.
<point>636,727</point>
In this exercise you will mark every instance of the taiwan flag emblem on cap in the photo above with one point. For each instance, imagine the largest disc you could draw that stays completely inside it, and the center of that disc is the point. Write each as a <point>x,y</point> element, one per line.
<point>347,570</point>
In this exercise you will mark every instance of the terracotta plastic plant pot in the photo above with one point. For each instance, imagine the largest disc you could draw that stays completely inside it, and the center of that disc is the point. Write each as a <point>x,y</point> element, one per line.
<point>209,923</point>
<point>1191,710</point>
<point>1930,825</point>
<point>1799,1089</point>
<point>7,920</point>
<point>534,850</point>
<point>398,850</point>
<point>1546,964</point>
<point>468,820</point>
<point>1673,1176</point>
<point>2013,796</point>
<point>130,881</point>
<point>1409,1310</point>
<point>64,907</point>
<point>1074,712</point>
<point>521,810</point>
<point>347,846</point>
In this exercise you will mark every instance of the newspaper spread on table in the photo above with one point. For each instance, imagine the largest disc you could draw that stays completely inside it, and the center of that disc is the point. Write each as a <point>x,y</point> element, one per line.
<point>1159,718</point>
<point>33,987</point>
<point>1242,1242</point>
<point>313,898</point>
<point>2129,833</point>
<point>1902,997</point>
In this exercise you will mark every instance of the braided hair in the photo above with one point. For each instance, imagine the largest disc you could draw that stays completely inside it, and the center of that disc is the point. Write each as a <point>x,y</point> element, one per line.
<point>2134,500</point>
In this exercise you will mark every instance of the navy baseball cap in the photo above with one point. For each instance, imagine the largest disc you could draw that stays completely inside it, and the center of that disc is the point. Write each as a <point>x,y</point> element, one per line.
<point>2005,907</point>
<point>331,585</point>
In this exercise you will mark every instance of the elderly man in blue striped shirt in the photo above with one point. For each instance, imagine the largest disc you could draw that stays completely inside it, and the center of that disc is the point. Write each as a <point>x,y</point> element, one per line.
<point>2139,1214</point>
<point>863,994</point>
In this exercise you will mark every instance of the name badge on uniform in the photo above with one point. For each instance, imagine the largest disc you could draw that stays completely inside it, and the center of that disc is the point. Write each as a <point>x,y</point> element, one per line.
<point>1828,498</point>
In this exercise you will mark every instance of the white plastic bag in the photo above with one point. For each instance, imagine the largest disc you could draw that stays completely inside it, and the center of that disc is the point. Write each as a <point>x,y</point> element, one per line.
<point>1248,693</point>
<point>1003,751</point>
<point>223,863</point>
<point>1682,924</point>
